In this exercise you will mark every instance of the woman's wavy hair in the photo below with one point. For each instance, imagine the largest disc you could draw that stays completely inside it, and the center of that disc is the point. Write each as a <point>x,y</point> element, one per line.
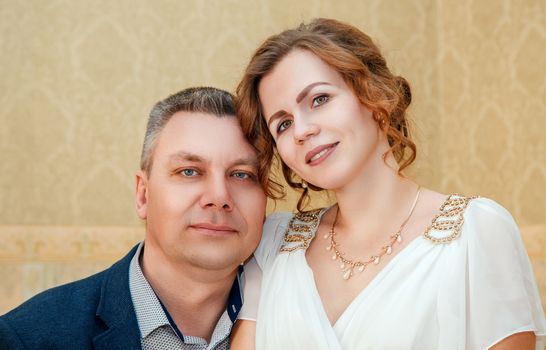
<point>359,61</point>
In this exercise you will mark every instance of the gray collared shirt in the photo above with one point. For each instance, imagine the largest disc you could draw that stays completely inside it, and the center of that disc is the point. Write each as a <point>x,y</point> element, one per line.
<point>157,332</point>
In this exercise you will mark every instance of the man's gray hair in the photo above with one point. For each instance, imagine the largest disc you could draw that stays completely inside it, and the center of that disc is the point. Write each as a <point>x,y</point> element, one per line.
<point>199,99</point>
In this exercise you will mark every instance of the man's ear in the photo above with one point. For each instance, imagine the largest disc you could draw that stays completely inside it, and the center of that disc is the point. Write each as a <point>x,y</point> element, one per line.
<point>141,199</point>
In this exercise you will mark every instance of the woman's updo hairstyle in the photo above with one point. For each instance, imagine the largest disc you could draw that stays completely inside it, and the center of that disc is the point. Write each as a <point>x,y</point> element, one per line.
<point>359,61</point>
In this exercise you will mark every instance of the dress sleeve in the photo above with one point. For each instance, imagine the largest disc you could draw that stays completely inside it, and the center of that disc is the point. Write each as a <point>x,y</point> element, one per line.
<point>273,232</point>
<point>252,287</point>
<point>502,295</point>
<point>272,237</point>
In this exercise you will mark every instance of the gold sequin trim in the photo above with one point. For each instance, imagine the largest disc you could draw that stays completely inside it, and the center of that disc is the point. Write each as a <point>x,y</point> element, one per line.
<point>446,225</point>
<point>300,231</point>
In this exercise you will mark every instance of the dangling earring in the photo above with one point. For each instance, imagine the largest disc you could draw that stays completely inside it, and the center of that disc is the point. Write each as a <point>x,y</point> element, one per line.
<point>303,184</point>
<point>381,120</point>
<point>382,123</point>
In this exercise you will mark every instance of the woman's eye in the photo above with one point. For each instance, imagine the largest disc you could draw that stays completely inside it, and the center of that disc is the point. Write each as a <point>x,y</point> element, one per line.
<point>319,100</point>
<point>285,124</point>
<point>189,172</point>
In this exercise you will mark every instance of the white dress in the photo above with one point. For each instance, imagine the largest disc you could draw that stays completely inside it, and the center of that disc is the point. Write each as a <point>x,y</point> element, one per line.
<point>467,287</point>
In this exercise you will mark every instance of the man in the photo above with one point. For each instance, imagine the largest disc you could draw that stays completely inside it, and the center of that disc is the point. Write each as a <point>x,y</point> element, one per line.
<point>199,191</point>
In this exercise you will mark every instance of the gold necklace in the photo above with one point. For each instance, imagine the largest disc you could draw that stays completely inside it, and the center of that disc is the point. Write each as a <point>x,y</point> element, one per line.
<point>348,265</point>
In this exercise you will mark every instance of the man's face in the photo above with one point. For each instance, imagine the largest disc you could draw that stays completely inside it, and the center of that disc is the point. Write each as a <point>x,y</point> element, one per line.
<point>202,201</point>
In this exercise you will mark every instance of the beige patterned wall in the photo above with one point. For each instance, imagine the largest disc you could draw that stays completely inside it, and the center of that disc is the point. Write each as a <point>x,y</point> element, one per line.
<point>77,79</point>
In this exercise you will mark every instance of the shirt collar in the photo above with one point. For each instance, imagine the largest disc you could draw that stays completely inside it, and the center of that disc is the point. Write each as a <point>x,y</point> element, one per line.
<point>149,310</point>
<point>235,298</point>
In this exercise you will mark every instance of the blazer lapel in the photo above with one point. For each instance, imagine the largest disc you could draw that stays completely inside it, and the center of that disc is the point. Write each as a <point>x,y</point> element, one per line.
<point>116,310</point>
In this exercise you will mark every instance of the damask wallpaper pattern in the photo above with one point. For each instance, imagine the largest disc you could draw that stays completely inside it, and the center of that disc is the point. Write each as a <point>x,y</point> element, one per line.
<point>79,78</point>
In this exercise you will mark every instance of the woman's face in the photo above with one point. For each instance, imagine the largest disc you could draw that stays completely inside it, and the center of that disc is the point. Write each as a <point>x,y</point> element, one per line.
<point>321,129</point>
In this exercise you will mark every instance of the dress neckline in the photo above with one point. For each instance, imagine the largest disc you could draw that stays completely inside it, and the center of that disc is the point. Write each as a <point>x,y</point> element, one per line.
<point>302,230</point>
<point>368,287</point>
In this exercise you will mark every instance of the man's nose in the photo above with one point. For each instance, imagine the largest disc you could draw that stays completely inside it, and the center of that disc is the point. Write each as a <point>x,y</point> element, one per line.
<point>216,193</point>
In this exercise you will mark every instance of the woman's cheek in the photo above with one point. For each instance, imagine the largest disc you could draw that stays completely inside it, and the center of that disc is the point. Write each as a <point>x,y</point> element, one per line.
<point>287,155</point>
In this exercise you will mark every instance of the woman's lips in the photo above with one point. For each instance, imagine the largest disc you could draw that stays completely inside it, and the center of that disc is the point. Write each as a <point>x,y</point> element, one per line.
<point>318,154</point>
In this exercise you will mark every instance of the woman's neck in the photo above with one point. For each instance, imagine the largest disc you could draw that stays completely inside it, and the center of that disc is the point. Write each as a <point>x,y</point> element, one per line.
<point>378,197</point>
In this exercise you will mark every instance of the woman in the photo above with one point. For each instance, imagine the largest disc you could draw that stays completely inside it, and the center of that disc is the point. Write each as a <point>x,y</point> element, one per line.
<point>391,265</point>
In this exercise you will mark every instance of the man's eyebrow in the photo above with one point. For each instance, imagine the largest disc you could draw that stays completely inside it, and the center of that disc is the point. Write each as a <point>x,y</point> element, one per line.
<point>191,157</point>
<point>250,161</point>
<point>299,98</point>
<point>187,156</point>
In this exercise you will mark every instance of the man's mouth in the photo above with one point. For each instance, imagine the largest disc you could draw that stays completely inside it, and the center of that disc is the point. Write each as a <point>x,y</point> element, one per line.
<point>213,228</point>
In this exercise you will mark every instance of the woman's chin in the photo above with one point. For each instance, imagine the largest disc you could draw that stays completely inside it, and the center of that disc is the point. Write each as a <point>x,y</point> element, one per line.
<point>329,184</point>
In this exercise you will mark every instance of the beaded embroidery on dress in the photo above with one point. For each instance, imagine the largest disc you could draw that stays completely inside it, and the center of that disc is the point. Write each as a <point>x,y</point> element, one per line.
<point>301,230</point>
<point>446,225</point>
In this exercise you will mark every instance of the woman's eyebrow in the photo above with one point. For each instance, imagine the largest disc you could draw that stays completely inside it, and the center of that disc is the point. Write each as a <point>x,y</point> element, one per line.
<point>304,92</point>
<point>308,88</point>
<point>275,115</point>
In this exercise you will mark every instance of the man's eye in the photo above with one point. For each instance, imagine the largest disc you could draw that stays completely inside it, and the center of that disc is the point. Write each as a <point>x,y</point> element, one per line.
<point>189,172</point>
<point>285,124</point>
<point>242,175</point>
<point>320,100</point>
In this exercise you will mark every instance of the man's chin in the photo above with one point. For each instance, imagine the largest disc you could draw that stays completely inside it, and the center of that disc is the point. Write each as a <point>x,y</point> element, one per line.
<point>216,261</point>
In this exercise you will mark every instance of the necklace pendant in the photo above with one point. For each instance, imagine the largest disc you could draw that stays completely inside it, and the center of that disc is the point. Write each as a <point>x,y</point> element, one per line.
<point>347,265</point>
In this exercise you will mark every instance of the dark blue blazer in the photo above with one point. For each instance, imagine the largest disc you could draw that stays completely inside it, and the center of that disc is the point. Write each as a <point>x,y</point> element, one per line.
<point>94,313</point>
